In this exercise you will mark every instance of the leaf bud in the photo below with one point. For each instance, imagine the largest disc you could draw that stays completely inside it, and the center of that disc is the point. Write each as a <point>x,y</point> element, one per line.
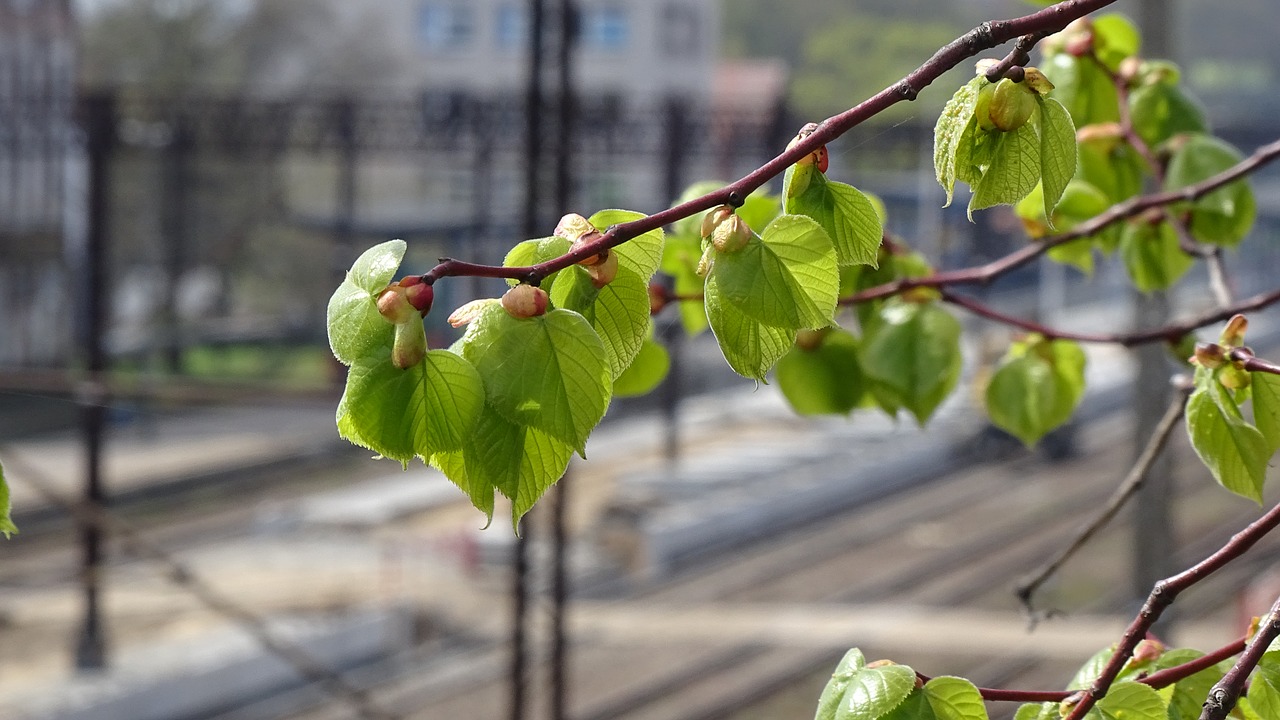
<point>410,344</point>
<point>1147,651</point>
<point>1011,105</point>
<point>420,295</point>
<point>1079,44</point>
<point>470,311</point>
<point>1209,355</point>
<point>1234,378</point>
<point>731,235</point>
<point>1036,80</point>
<point>590,260</point>
<point>603,273</point>
<point>1105,132</point>
<point>525,301</point>
<point>1129,69</point>
<point>573,226</point>
<point>713,218</point>
<point>817,157</point>
<point>1233,334</point>
<point>705,262</point>
<point>394,306</point>
<point>983,66</point>
<point>810,340</point>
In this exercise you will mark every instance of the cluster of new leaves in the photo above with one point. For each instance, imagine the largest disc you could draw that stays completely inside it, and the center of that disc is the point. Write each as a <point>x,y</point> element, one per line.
<point>506,406</point>
<point>1234,449</point>
<point>883,690</point>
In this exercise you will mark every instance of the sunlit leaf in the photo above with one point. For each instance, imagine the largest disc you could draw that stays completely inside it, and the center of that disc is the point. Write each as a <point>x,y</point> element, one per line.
<point>787,278</point>
<point>355,326</point>
<point>749,347</point>
<point>1234,451</point>
<point>915,351</point>
<point>822,380</point>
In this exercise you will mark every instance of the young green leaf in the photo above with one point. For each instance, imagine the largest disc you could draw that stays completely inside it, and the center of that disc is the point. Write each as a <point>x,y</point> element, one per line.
<point>956,118</point>
<point>1057,151</point>
<point>356,328</point>
<point>1160,110</point>
<point>1266,406</point>
<point>1132,701</point>
<point>1084,88</point>
<point>829,703</point>
<point>788,278</point>
<point>874,692</point>
<point>1115,39</point>
<point>549,372</point>
<point>1152,255</point>
<point>1234,451</point>
<point>1224,216</point>
<point>646,371</point>
<point>915,351</point>
<point>825,379</point>
<point>403,414</point>
<point>1014,170</point>
<point>749,347</point>
<point>1036,388</point>
<point>951,698</point>
<point>641,254</point>
<point>847,216</point>
<point>619,311</point>
<point>680,257</point>
<point>1113,167</point>
<point>1043,711</point>
<point>7,528</point>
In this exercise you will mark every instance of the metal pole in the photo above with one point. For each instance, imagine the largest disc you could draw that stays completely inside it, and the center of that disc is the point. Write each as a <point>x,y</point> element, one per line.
<point>533,157</point>
<point>100,131</point>
<point>176,160</point>
<point>1153,510</point>
<point>672,183</point>
<point>563,189</point>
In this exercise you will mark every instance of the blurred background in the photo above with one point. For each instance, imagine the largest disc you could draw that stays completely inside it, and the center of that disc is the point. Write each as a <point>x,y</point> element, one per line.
<point>182,185</point>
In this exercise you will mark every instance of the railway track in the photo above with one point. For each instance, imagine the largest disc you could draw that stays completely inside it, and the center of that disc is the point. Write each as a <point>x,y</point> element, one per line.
<point>960,541</point>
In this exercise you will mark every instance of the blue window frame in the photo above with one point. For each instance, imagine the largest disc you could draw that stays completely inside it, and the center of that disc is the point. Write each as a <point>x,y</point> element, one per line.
<point>605,28</point>
<point>445,25</point>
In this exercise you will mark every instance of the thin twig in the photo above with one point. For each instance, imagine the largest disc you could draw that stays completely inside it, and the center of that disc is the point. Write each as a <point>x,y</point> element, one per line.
<point>1132,482</point>
<point>1226,693</point>
<point>983,37</point>
<point>300,659</point>
<point>1162,595</point>
<point>1247,361</point>
<point>1218,283</point>
<point>1164,333</point>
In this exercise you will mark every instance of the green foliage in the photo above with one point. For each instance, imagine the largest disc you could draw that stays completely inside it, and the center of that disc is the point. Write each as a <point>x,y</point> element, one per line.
<point>6,522</point>
<point>1037,386</point>
<point>1233,450</point>
<point>913,355</point>
<point>1152,255</point>
<point>1130,701</point>
<point>942,698</point>
<point>1264,691</point>
<point>785,278</point>
<point>751,348</point>
<point>974,142</point>
<point>857,691</point>
<point>824,377</point>
<point>1186,696</point>
<point>1224,216</point>
<point>646,371</point>
<point>847,216</point>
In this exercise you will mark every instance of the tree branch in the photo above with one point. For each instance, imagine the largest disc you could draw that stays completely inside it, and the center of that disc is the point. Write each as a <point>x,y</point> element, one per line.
<point>1224,695</point>
<point>983,37</point>
<point>1132,482</point>
<point>1162,595</point>
<point>1166,333</point>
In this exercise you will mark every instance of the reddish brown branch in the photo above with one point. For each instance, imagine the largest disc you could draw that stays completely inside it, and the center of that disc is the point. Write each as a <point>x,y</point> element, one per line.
<point>1162,595</point>
<point>982,274</point>
<point>983,37</point>
<point>1157,680</point>
<point>1166,333</point>
<point>1249,362</point>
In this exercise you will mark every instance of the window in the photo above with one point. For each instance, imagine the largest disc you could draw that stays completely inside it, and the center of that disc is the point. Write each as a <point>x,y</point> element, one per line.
<point>605,28</point>
<point>512,26</point>
<point>444,26</point>
<point>679,29</point>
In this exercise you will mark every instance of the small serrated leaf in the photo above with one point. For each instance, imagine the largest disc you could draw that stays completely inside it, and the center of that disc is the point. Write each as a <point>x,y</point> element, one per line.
<point>825,380</point>
<point>1152,255</point>
<point>949,152</point>
<point>534,252</point>
<point>787,278</point>
<point>1266,406</point>
<point>1226,215</point>
<point>355,326</point>
<point>1014,170</point>
<point>848,217</point>
<point>549,372</point>
<point>1057,152</point>
<point>1132,701</point>
<point>914,351</point>
<point>1234,451</point>
<point>749,347</point>
<point>874,692</point>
